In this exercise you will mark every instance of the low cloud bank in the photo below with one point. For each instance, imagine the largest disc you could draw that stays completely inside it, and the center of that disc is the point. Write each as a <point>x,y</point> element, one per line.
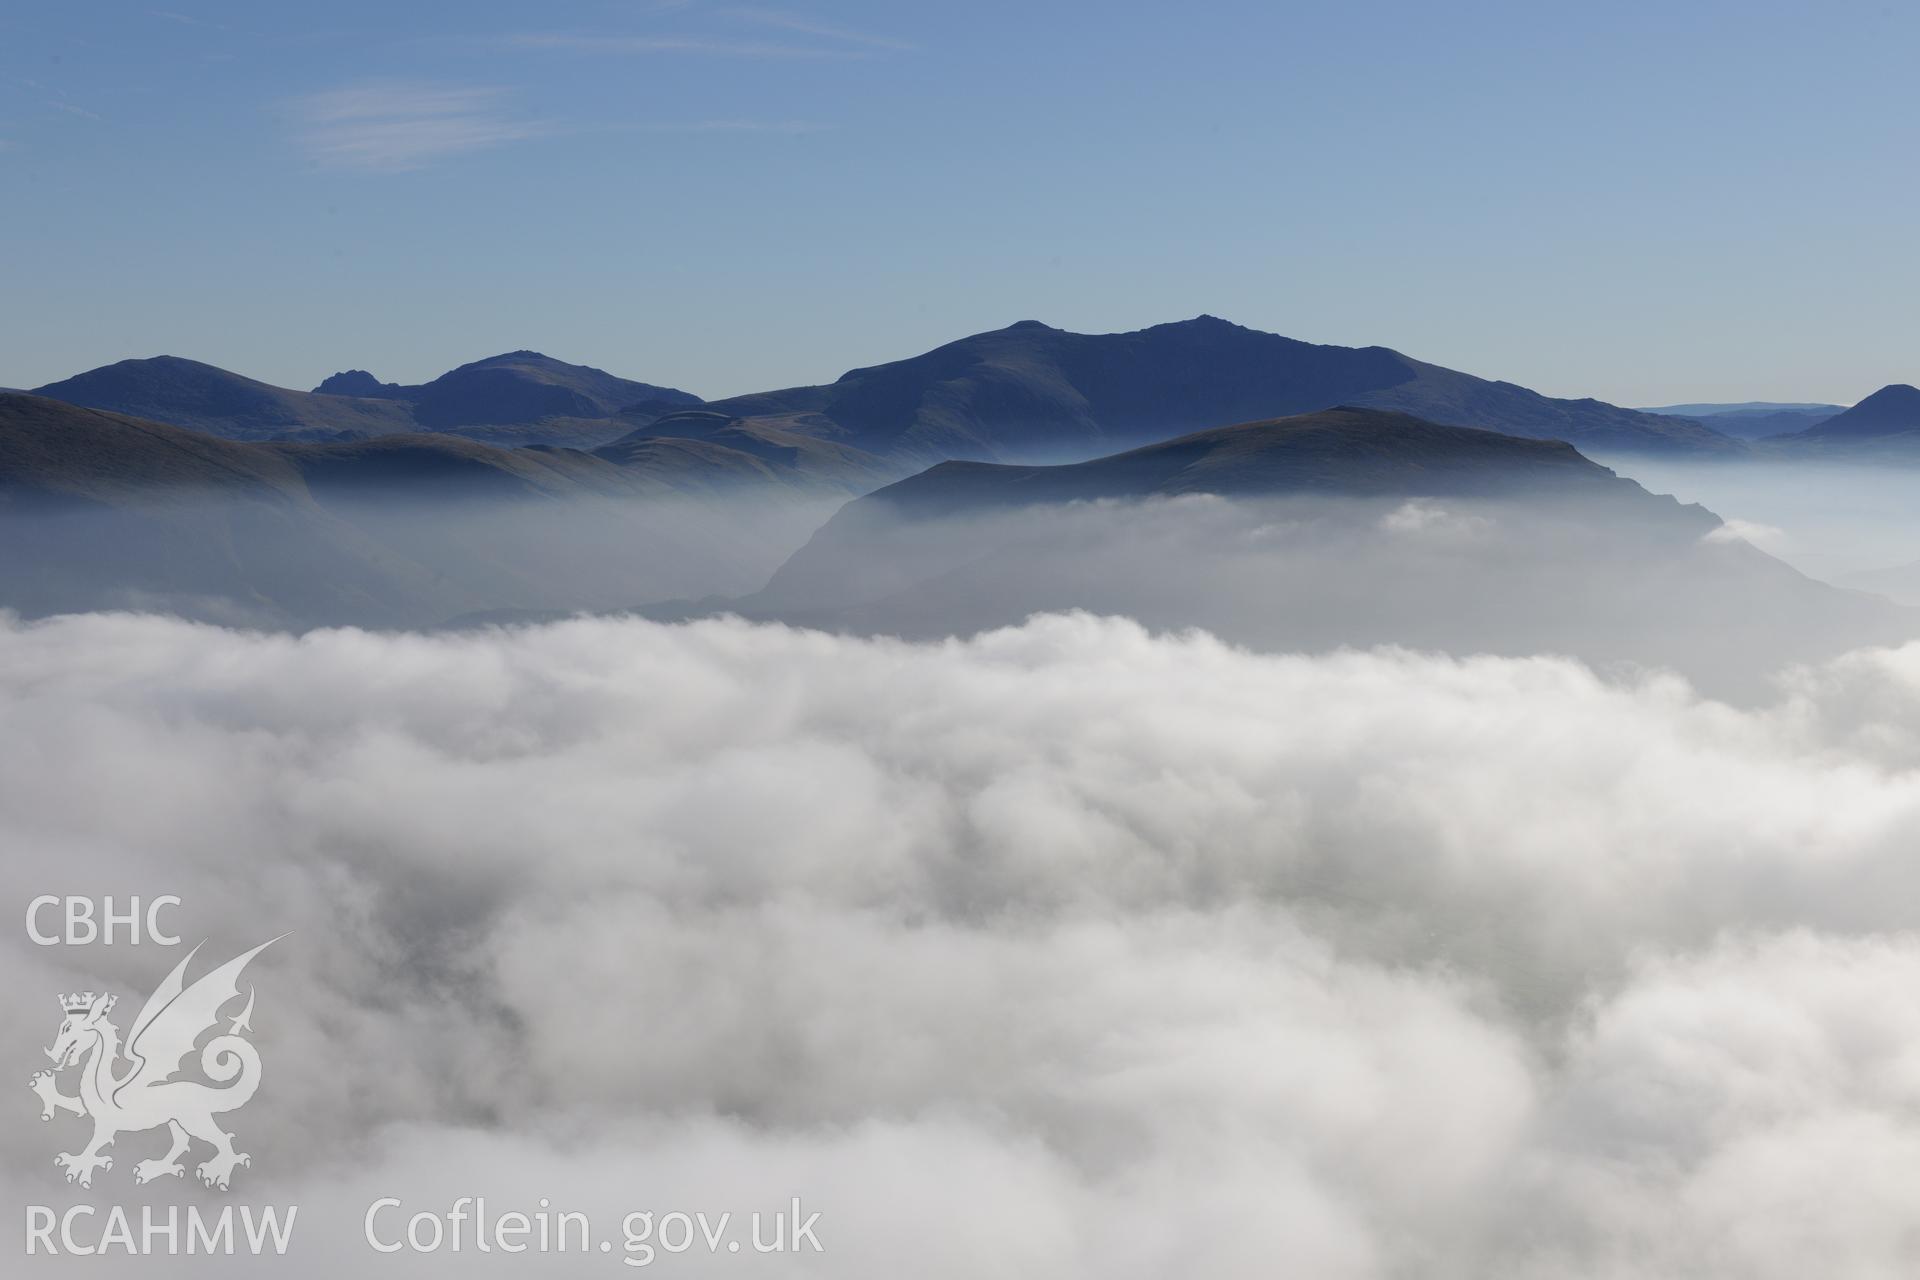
<point>1618,579</point>
<point>1066,950</point>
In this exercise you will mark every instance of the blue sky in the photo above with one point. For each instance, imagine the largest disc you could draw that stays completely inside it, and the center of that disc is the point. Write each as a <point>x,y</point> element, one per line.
<point>1641,202</point>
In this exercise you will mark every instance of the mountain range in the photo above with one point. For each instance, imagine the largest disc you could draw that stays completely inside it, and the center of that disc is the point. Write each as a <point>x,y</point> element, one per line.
<point>1349,453</point>
<point>1885,426</point>
<point>1350,526</point>
<point>1031,392</point>
<point>518,398</point>
<point>1891,411</point>
<point>102,510</point>
<point>1882,429</point>
<point>1753,419</point>
<point>518,387</point>
<point>1028,392</point>
<point>1346,451</point>
<point>200,397</point>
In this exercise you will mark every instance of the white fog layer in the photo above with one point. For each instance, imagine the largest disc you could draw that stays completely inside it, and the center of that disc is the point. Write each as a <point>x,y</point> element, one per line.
<point>1067,950</point>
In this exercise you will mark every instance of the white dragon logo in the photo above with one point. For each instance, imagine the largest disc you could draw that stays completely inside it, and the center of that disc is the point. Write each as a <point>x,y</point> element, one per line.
<point>145,1095</point>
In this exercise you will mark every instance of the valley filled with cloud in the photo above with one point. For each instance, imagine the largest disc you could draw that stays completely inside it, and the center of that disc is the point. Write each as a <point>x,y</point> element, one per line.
<point>1071,948</point>
<point>859,641</point>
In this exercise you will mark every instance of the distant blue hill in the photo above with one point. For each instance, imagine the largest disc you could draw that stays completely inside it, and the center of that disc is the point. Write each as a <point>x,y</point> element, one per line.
<point>1754,419</point>
<point>1744,406</point>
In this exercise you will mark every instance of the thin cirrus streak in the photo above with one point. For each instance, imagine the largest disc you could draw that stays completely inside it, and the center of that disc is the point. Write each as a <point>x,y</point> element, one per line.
<point>583,42</point>
<point>729,126</point>
<point>804,26</point>
<point>402,125</point>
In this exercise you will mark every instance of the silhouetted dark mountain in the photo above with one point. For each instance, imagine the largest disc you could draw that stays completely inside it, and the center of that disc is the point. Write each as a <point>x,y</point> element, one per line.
<point>101,510</point>
<point>1034,393</point>
<point>518,387</point>
<point>1025,393</point>
<point>1892,410</point>
<point>1760,426</point>
<point>771,439</point>
<point>1883,429</point>
<point>1348,526</point>
<point>1716,409</point>
<point>358,382</point>
<point>519,398</point>
<point>53,447</point>
<point>1754,419</point>
<point>1344,450</point>
<point>105,511</point>
<point>186,393</point>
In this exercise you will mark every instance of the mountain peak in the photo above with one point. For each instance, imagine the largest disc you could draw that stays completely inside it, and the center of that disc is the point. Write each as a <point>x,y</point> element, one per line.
<point>1208,328</point>
<point>355,382</point>
<point>1031,391</point>
<point>1892,410</point>
<point>528,386</point>
<point>1894,393</point>
<point>203,397</point>
<point>162,362</point>
<point>522,356</point>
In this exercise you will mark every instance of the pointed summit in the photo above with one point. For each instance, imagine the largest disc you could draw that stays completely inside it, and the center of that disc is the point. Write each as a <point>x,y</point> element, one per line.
<point>1891,410</point>
<point>358,382</point>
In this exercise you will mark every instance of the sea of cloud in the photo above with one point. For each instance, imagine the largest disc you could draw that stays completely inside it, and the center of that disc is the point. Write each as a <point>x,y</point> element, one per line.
<point>1066,950</point>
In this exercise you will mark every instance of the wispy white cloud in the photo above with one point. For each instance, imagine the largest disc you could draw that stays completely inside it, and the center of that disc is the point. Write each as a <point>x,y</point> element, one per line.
<point>73,110</point>
<point>396,126</point>
<point>1765,536</point>
<point>801,25</point>
<point>730,126</point>
<point>185,19</point>
<point>586,42</point>
<point>815,39</point>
